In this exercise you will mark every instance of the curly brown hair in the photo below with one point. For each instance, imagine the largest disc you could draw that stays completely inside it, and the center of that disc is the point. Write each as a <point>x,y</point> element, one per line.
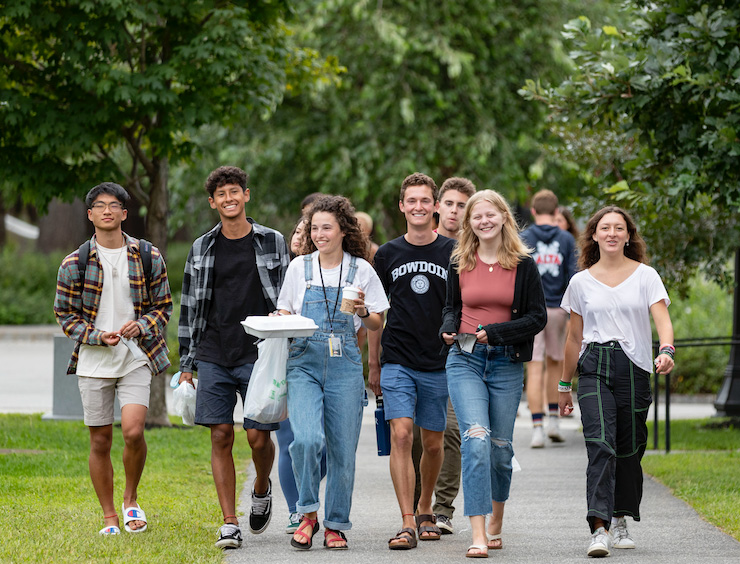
<point>590,254</point>
<point>224,175</point>
<point>419,179</point>
<point>355,242</point>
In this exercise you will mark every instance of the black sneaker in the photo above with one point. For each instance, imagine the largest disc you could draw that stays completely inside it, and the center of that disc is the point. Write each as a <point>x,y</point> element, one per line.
<point>445,524</point>
<point>229,536</point>
<point>261,512</point>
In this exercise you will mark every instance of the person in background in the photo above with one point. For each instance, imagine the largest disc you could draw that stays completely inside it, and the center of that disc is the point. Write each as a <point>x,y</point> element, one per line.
<point>609,344</point>
<point>233,271</point>
<point>284,434</point>
<point>326,386</point>
<point>565,220</point>
<point>494,308</point>
<point>117,318</point>
<point>555,255</point>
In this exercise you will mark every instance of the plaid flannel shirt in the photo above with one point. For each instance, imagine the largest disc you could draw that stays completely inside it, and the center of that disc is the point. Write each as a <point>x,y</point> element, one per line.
<point>272,258</point>
<point>76,307</point>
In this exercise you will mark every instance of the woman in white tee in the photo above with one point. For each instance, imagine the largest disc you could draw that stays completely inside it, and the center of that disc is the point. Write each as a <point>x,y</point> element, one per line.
<point>609,343</point>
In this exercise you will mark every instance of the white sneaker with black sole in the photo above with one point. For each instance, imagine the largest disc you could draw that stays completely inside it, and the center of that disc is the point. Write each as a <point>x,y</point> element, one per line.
<point>600,544</point>
<point>445,524</point>
<point>229,536</point>
<point>261,512</point>
<point>620,535</point>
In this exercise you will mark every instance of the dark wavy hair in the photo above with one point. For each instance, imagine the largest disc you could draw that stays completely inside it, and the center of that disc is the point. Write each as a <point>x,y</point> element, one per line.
<point>590,254</point>
<point>224,175</point>
<point>110,188</point>
<point>419,179</point>
<point>355,242</point>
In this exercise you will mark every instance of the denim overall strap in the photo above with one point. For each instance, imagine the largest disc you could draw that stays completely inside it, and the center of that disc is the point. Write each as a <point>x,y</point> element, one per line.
<point>308,270</point>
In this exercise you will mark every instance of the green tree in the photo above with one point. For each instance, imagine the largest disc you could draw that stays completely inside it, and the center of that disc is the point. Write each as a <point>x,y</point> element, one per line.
<point>651,113</point>
<point>115,90</point>
<point>428,86</point>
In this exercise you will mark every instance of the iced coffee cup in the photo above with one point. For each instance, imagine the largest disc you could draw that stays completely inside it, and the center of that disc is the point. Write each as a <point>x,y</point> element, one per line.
<point>349,295</point>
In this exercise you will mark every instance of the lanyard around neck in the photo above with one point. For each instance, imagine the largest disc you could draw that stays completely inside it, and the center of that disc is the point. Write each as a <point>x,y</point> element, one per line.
<point>326,299</point>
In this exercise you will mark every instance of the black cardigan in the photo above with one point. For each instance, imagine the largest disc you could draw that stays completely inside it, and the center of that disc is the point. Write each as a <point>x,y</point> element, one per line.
<point>528,311</point>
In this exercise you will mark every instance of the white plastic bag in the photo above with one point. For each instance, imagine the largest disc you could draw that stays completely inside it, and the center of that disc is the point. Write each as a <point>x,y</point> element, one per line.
<point>184,402</point>
<point>267,394</point>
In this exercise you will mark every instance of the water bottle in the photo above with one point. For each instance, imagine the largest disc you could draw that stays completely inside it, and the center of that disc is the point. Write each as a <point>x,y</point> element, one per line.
<point>382,428</point>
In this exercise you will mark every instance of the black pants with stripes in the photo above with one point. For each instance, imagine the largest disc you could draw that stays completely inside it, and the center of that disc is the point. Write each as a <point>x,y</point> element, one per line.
<point>614,397</point>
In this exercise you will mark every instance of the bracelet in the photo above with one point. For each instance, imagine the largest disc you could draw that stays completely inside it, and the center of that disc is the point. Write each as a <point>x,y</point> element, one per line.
<point>367,314</point>
<point>668,346</point>
<point>666,351</point>
<point>564,386</point>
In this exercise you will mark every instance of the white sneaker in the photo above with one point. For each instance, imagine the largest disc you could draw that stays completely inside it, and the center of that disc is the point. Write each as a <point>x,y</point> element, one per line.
<point>538,437</point>
<point>553,430</point>
<point>600,543</point>
<point>294,521</point>
<point>620,535</point>
<point>229,536</point>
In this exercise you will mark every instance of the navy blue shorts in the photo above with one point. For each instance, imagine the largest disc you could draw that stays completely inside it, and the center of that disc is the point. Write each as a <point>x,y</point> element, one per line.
<point>216,398</point>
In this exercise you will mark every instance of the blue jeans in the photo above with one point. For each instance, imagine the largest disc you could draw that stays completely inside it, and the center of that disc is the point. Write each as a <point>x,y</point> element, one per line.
<point>284,436</point>
<point>485,388</point>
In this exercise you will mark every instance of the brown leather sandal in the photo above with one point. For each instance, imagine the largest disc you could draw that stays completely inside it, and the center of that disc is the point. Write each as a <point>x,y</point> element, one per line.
<point>432,532</point>
<point>407,534</point>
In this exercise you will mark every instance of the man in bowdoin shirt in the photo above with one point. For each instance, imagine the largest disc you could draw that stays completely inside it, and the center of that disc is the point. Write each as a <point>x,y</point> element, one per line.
<point>234,270</point>
<point>413,269</point>
<point>118,318</point>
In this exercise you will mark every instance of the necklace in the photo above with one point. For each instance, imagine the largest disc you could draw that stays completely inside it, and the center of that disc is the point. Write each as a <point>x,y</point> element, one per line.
<point>114,270</point>
<point>490,266</point>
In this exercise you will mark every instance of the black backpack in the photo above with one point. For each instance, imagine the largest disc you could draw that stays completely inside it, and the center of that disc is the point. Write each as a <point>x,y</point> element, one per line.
<point>145,248</point>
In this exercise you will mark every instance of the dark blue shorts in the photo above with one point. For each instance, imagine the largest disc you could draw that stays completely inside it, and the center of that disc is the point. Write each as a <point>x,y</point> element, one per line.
<point>216,398</point>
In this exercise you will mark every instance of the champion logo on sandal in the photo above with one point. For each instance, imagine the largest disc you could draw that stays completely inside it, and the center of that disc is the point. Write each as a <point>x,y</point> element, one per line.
<point>134,513</point>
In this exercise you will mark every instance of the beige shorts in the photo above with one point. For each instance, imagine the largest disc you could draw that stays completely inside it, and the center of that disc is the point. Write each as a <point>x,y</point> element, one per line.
<point>552,338</point>
<point>98,394</point>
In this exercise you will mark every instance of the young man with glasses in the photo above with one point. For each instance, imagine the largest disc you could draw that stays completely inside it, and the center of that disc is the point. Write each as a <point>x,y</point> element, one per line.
<point>118,319</point>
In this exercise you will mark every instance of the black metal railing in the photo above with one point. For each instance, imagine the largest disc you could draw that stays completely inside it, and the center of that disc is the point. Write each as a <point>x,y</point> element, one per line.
<point>682,343</point>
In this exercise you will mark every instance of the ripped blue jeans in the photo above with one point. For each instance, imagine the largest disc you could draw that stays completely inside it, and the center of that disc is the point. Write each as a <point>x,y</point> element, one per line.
<point>485,388</point>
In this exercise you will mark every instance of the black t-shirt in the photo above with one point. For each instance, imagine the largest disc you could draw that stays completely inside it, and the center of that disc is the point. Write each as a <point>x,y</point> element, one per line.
<point>237,293</point>
<point>415,279</point>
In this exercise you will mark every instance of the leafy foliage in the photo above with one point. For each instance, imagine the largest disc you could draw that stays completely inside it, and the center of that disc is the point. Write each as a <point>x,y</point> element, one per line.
<point>654,110</point>
<point>116,90</point>
<point>428,86</point>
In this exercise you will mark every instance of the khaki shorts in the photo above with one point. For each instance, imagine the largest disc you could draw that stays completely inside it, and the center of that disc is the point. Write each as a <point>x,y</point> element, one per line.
<point>98,394</point>
<point>552,338</point>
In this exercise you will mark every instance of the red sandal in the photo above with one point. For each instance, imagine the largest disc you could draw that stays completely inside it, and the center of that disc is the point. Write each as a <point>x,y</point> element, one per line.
<point>314,524</point>
<point>336,536</point>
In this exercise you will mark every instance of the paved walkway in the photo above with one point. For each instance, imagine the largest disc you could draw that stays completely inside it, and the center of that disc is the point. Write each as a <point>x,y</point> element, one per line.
<point>545,515</point>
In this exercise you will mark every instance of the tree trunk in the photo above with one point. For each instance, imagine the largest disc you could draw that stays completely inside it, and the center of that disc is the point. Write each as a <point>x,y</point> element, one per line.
<point>156,226</point>
<point>3,235</point>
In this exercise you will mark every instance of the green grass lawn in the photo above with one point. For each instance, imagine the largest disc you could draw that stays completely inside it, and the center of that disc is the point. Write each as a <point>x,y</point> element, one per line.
<point>51,513</point>
<point>703,469</point>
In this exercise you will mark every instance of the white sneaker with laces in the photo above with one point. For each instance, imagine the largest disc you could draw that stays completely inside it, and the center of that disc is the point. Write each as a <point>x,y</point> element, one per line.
<point>600,544</point>
<point>229,536</point>
<point>294,521</point>
<point>538,437</point>
<point>620,535</point>
<point>553,430</point>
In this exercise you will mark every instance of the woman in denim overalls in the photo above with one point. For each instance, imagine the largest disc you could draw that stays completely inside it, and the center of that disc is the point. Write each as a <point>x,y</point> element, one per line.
<point>324,371</point>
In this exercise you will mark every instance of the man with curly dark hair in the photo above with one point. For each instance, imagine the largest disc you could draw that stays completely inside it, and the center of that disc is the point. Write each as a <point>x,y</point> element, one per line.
<point>413,269</point>
<point>234,270</point>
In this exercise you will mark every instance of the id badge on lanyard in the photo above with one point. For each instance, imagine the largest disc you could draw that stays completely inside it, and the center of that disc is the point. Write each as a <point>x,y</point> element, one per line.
<point>335,346</point>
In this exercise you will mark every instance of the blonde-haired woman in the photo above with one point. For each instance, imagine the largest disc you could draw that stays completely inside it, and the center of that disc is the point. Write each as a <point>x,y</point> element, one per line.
<point>495,301</point>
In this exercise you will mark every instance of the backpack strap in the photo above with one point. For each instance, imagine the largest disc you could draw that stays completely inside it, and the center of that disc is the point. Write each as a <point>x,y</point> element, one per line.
<point>145,250</point>
<point>84,252</point>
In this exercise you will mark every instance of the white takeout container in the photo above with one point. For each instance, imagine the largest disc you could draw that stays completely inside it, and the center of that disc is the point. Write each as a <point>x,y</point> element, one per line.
<point>270,327</point>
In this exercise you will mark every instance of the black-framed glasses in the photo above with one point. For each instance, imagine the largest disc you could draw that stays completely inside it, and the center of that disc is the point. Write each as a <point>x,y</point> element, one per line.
<point>112,206</point>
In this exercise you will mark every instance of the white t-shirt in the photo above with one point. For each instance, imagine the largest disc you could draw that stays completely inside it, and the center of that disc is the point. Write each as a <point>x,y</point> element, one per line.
<point>116,308</point>
<point>618,314</point>
<point>294,286</point>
